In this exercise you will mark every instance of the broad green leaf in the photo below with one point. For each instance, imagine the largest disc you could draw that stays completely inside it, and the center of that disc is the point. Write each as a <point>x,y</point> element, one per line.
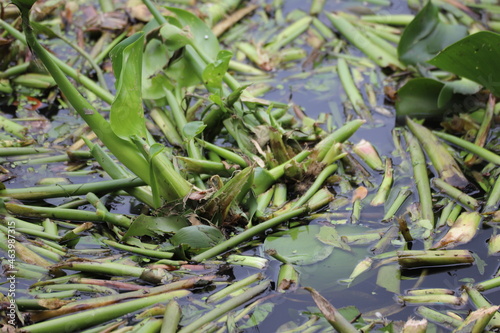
<point>155,59</point>
<point>188,72</point>
<point>475,58</point>
<point>214,72</point>
<point>419,98</point>
<point>426,35</point>
<point>155,225</point>
<point>203,36</point>
<point>463,86</point>
<point>299,246</point>
<point>428,98</point>
<point>174,37</point>
<point>198,237</point>
<point>127,114</point>
<point>192,129</point>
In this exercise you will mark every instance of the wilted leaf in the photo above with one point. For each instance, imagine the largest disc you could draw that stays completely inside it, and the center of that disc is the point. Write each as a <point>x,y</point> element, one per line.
<point>332,315</point>
<point>360,268</point>
<point>462,231</point>
<point>233,191</point>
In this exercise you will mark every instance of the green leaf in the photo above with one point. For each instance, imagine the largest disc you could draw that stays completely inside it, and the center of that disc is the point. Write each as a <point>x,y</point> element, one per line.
<point>192,129</point>
<point>351,313</point>
<point>428,98</point>
<point>198,237</point>
<point>260,313</point>
<point>426,35</point>
<point>389,278</point>
<point>203,36</point>
<point>330,236</point>
<point>235,95</point>
<point>24,5</point>
<point>155,59</point>
<point>155,225</point>
<point>183,70</point>
<point>127,114</point>
<point>299,246</point>
<point>174,37</point>
<point>419,98</point>
<point>214,72</point>
<point>475,58</point>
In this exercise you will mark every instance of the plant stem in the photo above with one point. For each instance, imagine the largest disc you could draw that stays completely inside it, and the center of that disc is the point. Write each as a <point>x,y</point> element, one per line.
<point>420,176</point>
<point>83,319</point>
<point>473,148</point>
<point>225,307</point>
<point>249,233</point>
<point>42,192</point>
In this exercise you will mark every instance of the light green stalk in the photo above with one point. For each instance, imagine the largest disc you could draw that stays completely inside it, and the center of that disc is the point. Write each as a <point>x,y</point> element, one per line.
<point>115,171</point>
<point>171,317</point>
<point>482,133</point>
<point>473,148</point>
<point>481,302</point>
<point>441,159</point>
<point>379,56</point>
<point>83,319</point>
<point>420,176</point>
<point>421,258</point>
<point>234,288</point>
<point>42,192</point>
<point>225,307</point>
<point>149,253</point>
<point>65,214</point>
<point>437,317</point>
<point>493,201</point>
<point>320,179</point>
<point>351,90</point>
<point>456,194</point>
<point>385,186</point>
<point>249,233</point>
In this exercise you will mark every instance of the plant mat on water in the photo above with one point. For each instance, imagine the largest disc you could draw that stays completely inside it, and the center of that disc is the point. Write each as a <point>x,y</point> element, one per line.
<point>218,170</point>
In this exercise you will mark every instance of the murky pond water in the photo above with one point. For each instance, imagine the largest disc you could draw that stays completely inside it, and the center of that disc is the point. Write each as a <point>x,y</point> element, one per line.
<point>318,94</point>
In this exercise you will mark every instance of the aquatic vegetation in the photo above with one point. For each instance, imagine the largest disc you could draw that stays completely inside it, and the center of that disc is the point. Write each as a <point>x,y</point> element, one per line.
<point>239,201</point>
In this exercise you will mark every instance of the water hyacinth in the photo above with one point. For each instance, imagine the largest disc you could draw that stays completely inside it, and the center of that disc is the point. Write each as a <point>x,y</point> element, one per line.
<point>226,183</point>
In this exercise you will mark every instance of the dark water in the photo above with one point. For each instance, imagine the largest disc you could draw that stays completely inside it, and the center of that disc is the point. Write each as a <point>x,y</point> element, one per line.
<point>319,94</point>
